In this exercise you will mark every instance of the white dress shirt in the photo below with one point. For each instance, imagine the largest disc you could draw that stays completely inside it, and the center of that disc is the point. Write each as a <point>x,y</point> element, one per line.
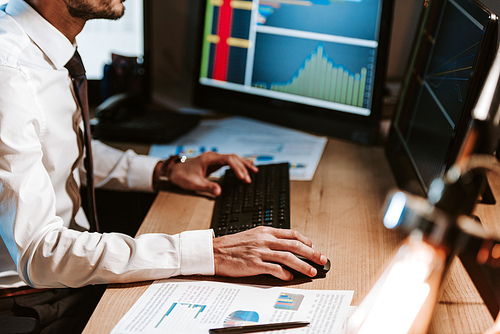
<point>41,245</point>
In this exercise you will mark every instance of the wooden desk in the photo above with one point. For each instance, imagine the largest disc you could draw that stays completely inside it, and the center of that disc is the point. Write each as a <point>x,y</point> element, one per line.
<point>339,210</point>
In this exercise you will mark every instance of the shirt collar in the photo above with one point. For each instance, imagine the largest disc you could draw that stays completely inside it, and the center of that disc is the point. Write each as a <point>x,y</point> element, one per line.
<point>51,41</point>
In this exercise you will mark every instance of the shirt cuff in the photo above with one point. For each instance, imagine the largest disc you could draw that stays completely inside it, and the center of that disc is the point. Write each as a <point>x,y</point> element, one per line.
<point>140,175</point>
<point>197,253</point>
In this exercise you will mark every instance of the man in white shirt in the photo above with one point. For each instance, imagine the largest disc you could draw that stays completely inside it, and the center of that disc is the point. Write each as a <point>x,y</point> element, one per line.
<point>44,239</point>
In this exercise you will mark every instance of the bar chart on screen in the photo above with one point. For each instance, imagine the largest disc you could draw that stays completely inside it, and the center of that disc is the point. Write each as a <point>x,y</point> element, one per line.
<point>319,77</point>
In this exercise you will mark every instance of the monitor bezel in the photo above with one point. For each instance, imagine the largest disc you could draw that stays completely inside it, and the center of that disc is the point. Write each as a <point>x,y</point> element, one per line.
<point>401,163</point>
<point>364,129</point>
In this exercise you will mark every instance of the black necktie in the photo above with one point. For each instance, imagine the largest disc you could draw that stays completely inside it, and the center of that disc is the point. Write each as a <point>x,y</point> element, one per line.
<point>77,72</point>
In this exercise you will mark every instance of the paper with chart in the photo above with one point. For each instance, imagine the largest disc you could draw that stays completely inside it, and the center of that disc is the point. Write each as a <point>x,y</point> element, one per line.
<point>259,141</point>
<point>192,307</point>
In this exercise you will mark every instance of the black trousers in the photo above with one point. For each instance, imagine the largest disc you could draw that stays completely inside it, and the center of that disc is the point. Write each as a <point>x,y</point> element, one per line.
<point>57,310</point>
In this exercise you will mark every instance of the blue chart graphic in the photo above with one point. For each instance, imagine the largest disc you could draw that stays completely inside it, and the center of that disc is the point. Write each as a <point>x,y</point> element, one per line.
<point>350,18</point>
<point>241,318</point>
<point>179,314</point>
<point>288,301</point>
<point>327,71</point>
<point>191,151</point>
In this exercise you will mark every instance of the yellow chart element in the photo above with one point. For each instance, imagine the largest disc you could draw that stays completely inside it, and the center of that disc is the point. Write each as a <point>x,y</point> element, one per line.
<point>247,5</point>
<point>238,42</point>
<point>213,39</point>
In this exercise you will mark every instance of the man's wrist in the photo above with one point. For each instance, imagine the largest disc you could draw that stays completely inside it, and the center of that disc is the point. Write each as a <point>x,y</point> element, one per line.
<point>161,174</point>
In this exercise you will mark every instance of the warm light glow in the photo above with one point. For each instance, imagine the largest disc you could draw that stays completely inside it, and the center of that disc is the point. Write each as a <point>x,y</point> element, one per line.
<point>485,101</point>
<point>394,211</point>
<point>399,300</point>
<point>495,253</point>
<point>401,293</point>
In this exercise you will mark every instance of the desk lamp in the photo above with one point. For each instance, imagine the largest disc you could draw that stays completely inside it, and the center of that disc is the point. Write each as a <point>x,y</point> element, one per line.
<point>438,228</point>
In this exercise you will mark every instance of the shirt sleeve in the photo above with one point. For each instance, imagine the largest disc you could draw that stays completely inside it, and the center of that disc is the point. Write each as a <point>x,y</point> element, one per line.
<point>68,258</point>
<point>45,252</point>
<point>115,169</point>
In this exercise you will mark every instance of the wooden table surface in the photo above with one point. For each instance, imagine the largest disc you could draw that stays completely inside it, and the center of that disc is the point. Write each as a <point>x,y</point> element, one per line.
<point>340,211</point>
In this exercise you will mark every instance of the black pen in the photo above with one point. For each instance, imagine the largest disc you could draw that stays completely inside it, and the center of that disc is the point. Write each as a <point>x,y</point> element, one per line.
<point>259,328</point>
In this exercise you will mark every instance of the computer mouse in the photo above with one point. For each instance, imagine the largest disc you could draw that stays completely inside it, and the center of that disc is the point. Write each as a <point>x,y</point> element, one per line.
<point>321,269</point>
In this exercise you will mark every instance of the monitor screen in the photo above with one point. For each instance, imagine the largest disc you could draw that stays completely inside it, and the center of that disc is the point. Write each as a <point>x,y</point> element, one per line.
<point>315,64</point>
<point>452,54</point>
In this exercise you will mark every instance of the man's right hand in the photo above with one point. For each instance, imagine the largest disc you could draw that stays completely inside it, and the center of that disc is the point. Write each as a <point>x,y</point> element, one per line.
<point>263,250</point>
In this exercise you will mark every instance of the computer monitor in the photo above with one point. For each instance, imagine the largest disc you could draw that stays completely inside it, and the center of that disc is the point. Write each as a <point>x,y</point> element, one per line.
<point>453,51</point>
<point>317,65</point>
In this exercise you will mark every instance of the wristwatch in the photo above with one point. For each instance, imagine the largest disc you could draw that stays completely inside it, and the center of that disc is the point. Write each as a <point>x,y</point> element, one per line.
<point>167,164</point>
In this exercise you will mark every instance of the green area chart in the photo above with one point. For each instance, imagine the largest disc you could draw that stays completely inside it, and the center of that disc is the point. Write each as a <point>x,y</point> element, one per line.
<point>319,77</point>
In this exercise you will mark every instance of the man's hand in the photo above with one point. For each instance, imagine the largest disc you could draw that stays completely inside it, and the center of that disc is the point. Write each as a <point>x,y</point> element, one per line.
<point>261,251</point>
<point>192,174</point>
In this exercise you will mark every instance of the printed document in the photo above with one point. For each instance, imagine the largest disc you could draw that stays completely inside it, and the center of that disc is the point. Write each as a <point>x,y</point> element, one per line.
<point>189,306</point>
<point>261,142</point>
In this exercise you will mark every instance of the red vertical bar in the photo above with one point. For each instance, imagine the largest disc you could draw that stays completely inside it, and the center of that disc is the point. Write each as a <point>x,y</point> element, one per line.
<point>222,49</point>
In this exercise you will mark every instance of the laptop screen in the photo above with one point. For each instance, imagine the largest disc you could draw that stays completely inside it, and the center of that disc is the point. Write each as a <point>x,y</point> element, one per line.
<point>452,54</point>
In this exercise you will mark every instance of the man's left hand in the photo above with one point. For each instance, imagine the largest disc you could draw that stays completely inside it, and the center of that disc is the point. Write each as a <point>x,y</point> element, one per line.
<point>192,174</point>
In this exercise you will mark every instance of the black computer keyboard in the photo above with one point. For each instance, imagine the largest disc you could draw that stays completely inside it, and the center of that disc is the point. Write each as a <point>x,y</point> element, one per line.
<point>264,202</point>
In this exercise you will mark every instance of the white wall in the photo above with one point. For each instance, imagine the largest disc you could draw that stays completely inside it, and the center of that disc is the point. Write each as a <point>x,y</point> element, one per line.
<point>404,26</point>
